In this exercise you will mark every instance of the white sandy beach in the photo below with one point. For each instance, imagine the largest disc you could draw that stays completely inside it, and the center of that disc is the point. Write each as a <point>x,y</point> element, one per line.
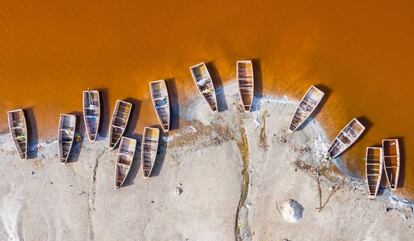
<point>41,199</point>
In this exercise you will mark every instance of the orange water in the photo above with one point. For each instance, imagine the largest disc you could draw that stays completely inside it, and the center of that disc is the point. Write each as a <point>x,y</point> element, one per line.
<point>361,51</point>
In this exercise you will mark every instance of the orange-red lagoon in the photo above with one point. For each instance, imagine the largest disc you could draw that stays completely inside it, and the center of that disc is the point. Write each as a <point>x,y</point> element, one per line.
<point>361,52</point>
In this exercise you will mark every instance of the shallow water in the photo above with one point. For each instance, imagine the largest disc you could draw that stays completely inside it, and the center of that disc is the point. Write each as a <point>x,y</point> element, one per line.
<point>360,53</point>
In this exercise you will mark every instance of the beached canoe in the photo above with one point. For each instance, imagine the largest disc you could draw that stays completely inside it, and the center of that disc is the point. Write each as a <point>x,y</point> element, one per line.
<point>306,107</point>
<point>119,121</point>
<point>161,103</point>
<point>245,80</point>
<point>66,135</point>
<point>18,131</point>
<point>149,149</point>
<point>391,152</point>
<point>124,160</point>
<point>348,136</point>
<point>204,84</point>
<point>91,113</point>
<point>373,169</point>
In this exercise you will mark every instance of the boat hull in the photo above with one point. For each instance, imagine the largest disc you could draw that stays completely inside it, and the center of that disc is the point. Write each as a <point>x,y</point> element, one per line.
<point>149,149</point>
<point>161,103</point>
<point>391,155</point>
<point>204,84</point>
<point>124,160</point>
<point>119,122</point>
<point>373,170</point>
<point>91,113</point>
<point>18,131</point>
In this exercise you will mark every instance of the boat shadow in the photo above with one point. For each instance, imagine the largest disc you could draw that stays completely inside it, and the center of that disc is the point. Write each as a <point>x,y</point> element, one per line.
<point>258,85</point>
<point>79,132</point>
<point>133,118</point>
<point>368,125</point>
<point>105,114</point>
<point>32,132</point>
<point>219,87</point>
<point>401,142</point>
<point>174,103</point>
<point>328,92</point>
<point>136,163</point>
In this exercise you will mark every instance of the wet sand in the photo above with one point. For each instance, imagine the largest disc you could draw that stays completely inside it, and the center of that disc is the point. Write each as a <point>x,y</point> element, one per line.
<point>42,199</point>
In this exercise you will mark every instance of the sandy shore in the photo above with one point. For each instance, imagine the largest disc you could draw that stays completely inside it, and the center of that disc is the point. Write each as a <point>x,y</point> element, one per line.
<point>235,169</point>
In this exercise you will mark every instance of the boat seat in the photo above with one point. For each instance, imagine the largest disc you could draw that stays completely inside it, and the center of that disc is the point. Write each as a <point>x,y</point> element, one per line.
<point>18,127</point>
<point>119,127</point>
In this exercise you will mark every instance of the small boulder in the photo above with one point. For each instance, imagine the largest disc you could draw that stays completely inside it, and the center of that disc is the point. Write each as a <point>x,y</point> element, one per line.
<point>178,190</point>
<point>292,211</point>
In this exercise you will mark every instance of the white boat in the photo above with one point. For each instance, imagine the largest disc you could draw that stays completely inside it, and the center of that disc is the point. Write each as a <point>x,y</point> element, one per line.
<point>91,113</point>
<point>66,135</point>
<point>18,131</point>
<point>373,170</point>
<point>204,84</point>
<point>348,136</point>
<point>245,80</point>
<point>124,160</point>
<point>119,122</point>
<point>306,107</point>
<point>149,149</point>
<point>391,152</point>
<point>161,103</point>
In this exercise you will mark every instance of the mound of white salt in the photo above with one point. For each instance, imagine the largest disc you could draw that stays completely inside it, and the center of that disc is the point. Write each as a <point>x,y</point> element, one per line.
<point>292,211</point>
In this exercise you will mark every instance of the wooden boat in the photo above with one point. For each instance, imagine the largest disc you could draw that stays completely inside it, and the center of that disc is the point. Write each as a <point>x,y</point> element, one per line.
<point>18,131</point>
<point>149,149</point>
<point>306,107</point>
<point>391,153</point>
<point>120,118</point>
<point>373,169</point>
<point>124,160</point>
<point>161,103</point>
<point>204,84</point>
<point>66,135</point>
<point>245,79</point>
<point>91,113</point>
<point>348,136</point>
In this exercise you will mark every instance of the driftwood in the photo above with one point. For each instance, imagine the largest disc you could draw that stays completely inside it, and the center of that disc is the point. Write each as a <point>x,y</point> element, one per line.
<point>263,138</point>
<point>277,208</point>
<point>333,191</point>
<point>317,172</point>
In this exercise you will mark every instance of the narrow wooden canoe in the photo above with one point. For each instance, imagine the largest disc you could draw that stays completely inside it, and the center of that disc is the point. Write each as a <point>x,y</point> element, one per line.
<point>91,113</point>
<point>124,160</point>
<point>204,84</point>
<point>120,118</point>
<point>306,107</point>
<point>149,149</point>
<point>66,135</point>
<point>373,170</point>
<point>18,131</point>
<point>161,103</point>
<point>348,136</point>
<point>391,152</point>
<point>245,79</point>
